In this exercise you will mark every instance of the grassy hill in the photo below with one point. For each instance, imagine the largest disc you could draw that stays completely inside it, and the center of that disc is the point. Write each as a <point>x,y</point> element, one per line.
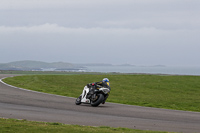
<point>36,65</point>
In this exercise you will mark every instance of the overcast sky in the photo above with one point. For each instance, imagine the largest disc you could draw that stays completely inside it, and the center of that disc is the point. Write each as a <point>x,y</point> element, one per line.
<point>138,32</point>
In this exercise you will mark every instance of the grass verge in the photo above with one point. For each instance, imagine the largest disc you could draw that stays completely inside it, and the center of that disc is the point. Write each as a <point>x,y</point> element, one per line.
<point>24,126</point>
<point>170,92</point>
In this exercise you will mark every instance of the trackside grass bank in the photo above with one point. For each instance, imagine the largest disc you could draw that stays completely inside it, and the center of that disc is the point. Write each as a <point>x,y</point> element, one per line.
<point>23,126</point>
<point>160,91</point>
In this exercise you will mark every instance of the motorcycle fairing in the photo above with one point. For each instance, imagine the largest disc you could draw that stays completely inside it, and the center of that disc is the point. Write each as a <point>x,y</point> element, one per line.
<point>84,94</point>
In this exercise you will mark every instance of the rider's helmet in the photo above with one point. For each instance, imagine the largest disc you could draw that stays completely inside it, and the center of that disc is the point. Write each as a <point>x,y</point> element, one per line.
<point>105,80</point>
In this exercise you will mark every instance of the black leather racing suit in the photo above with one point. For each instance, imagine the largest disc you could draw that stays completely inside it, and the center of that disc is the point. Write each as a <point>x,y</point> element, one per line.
<point>105,85</point>
<point>101,84</point>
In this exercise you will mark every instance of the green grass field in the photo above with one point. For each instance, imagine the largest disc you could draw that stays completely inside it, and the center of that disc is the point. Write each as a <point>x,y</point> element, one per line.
<point>160,91</point>
<point>24,126</point>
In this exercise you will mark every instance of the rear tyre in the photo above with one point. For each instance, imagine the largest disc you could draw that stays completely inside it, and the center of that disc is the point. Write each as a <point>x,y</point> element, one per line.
<point>98,101</point>
<point>78,100</point>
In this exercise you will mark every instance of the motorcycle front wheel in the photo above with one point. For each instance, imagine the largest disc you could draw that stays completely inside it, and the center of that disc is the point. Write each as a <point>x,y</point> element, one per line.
<point>78,100</point>
<point>98,101</point>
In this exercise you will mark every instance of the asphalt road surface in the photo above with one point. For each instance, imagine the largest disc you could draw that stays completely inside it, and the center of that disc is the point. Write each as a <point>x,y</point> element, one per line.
<point>21,104</point>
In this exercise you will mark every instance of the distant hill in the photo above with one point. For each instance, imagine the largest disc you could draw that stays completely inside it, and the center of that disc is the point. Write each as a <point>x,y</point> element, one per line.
<point>95,64</point>
<point>36,65</point>
<point>29,65</point>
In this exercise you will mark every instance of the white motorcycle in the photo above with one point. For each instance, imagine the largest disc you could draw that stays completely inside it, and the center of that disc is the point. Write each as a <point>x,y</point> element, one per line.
<point>93,95</point>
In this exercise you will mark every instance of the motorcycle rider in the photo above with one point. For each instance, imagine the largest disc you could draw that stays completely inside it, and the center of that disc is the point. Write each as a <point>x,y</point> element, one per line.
<point>104,83</point>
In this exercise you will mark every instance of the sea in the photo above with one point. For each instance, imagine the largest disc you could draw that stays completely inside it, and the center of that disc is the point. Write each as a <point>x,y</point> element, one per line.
<point>171,70</point>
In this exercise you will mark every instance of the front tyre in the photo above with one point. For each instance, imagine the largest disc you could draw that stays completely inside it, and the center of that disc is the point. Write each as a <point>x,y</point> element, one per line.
<point>78,100</point>
<point>98,101</point>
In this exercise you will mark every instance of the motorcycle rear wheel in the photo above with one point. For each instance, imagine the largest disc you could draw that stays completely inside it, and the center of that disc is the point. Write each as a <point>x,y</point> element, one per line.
<point>98,101</point>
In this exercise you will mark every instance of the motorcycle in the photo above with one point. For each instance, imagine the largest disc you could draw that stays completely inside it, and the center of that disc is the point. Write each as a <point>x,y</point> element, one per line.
<point>93,94</point>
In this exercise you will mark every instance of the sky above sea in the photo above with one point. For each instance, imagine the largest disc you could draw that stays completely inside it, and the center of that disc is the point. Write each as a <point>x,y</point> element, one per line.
<point>137,32</point>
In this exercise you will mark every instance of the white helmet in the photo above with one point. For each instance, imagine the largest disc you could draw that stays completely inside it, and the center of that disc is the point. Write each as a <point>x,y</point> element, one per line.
<point>105,80</point>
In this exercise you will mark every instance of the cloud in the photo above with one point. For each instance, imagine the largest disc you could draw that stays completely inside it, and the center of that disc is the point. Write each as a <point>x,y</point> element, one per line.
<point>55,28</point>
<point>51,42</point>
<point>99,4</point>
<point>52,34</point>
<point>30,4</point>
<point>165,14</point>
<point>131,30</point>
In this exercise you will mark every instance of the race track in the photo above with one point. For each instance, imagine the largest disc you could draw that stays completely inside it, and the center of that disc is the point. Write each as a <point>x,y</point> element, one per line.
<point>21,104</point>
